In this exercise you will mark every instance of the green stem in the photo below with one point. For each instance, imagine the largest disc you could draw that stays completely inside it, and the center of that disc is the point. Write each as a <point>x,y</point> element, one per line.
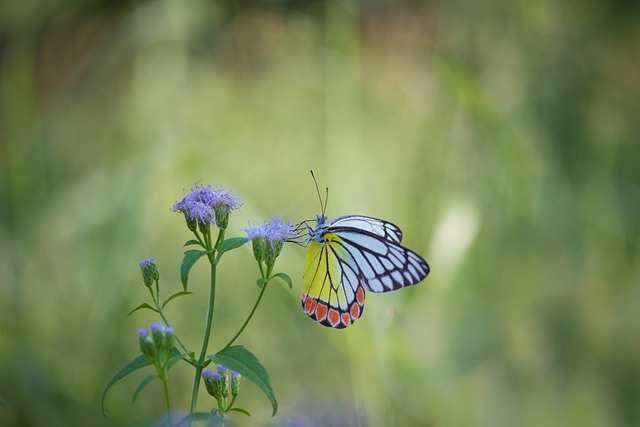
<point>246,322</point>
<point>207,329</point>
<point>156,301</point>
<point>166,394</point>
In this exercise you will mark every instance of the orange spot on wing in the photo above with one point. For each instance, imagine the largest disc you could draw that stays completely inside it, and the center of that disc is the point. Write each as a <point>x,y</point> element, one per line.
<point>360,295</point>
<point>346,319</point>
<point>310,305</point>
<point>321,312</point>
<point>334,317</point>
<point>355,311</point>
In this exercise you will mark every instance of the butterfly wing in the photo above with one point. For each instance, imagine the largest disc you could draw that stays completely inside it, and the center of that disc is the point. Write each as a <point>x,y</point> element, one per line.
<point>384,229</point>
<point>333,286</point>
<point>383,263</point>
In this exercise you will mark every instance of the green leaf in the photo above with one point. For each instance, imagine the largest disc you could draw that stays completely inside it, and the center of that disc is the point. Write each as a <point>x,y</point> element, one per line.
<point>140,307</point>
<point>230,244</point>
<point>285,278</point>
<point>260,282</point>
<point>137,363</point>
<point>239,359</point>
<point>192,242</point>
<point>242,411</point>
<point>142,385</point>
<point>199,416</point>
<point>176,295</point>
<point>190,258</point>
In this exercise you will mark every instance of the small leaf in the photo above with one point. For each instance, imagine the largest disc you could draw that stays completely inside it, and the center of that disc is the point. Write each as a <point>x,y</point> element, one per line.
<point>230,244</point>
<point>137,363</point>
<point>239,359</point>
<point>285,278</point>
<point>199,416</point>
<point>142,385</point>
<point>140,307</point>
<point>176,295</point>
<point>192,242</point>
<point>190,258</point>
<point>260,282</point>
<point>242,411</point>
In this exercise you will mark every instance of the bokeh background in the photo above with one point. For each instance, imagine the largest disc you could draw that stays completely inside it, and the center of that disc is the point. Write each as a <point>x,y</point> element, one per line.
<point>502,137</point>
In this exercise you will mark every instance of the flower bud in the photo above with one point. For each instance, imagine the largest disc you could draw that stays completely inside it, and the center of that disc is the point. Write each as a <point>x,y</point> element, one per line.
<point>170,336</point>
<point>235,383</point>
<point>149,272</point>
<point>221,211</point>
<point>207,376</point>
<point>217,385</point>
<point>147,346</point>
<point>159,335</point>
<point>259,248</point>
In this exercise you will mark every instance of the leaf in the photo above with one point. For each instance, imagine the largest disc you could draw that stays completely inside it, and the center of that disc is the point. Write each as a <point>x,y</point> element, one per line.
<point>137,363</point>
<point>142,385</point>
<point>260,282</point>
<point>285,278</point>
<point>140,307</point>
<point>199,416</point>
<point>192,242</point>
<point>230,244</point>
<point>190,258</point>
<point>239,359</point>
<point>177,356</point>
<point>176,295</point>
<point>242,411</point>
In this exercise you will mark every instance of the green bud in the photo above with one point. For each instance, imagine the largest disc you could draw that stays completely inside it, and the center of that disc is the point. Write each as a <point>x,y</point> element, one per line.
<point>147,346</point>
<point>159,336</point>
<point>235,383</point>
<point>259,248</point>
<point>149,272</point>
<point>192,224</point>
<point>217,386</point>
<point>221,213</point>
<point>207,376</point>
<point>273,249</point>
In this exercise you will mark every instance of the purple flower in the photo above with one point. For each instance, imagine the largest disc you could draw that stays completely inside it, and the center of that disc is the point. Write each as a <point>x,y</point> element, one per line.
<point>222,370</point>
<point>143,332</point>
<point>272,231</point>
<point>146,262</point>
<point>216,377</point>
<point>207,373</point>
<point>207,205</point>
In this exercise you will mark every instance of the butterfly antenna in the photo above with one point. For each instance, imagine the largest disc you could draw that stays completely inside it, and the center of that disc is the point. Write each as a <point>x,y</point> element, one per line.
<point>322,207</point>
<point>326,199</point>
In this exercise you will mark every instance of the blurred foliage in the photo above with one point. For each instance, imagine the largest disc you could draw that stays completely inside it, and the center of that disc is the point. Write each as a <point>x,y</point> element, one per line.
<point>501,137</point>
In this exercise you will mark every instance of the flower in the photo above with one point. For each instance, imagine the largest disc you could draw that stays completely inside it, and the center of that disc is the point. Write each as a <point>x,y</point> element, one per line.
<point>267,239</point>
<point>205,205</point>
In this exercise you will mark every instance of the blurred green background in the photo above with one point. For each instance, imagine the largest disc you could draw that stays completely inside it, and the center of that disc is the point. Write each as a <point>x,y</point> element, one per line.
<point>502,137</point>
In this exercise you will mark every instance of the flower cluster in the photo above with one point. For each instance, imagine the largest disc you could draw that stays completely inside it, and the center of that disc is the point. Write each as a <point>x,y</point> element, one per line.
<point>157,345</point>
<point>217,384</point>
<point>205,205</point>
<point>267,239</point>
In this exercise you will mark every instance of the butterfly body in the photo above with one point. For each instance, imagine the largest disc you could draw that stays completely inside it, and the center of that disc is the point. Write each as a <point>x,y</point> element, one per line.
<point>348,256</point>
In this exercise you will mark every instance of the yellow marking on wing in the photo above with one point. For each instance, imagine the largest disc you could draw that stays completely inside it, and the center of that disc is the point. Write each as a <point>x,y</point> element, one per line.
<point>320,275</point>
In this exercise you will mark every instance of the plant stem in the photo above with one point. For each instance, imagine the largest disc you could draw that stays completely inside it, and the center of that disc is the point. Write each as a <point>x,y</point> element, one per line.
<point>207,328</point>
<point>253,310</point>
<point>166,394</point>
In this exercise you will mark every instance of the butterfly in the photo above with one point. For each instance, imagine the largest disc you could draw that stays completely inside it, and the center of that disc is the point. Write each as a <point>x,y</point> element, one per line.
<point>349,256</point>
